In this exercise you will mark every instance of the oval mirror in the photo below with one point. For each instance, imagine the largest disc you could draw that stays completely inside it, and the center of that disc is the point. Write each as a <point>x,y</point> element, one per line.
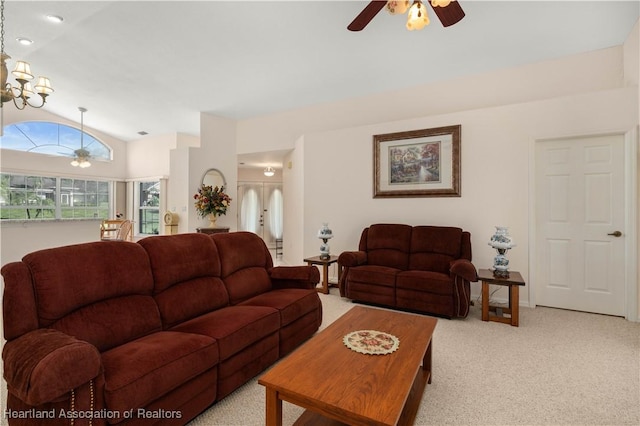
<point>214,177</point>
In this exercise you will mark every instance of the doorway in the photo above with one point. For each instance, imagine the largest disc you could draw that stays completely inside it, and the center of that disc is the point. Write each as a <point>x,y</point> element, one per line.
<point>261,208</point>
<point>580,224</point>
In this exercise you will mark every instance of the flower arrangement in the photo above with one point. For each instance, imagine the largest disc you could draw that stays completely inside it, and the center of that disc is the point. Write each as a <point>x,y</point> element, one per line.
<point>211,201</point>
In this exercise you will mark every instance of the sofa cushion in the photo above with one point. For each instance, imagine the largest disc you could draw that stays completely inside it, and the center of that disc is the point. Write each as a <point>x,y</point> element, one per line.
<point>112,322</point>
<point>292,303</point>
<point>234,327</point>
<point>141,371</point>
<point>78,265</point>
<point>178,258</point>
<point>374,275</point>
<point>387,245</point>
<point>434,247</point>
<point>99,292</point>
<point>425,281</point>
<point>244,261</point>
<point>186,272</point>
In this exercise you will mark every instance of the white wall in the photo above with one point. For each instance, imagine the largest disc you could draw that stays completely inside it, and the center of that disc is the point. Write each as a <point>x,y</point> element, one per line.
<point>591,71</point>
<point>218,150</point>
<point>293,190</point>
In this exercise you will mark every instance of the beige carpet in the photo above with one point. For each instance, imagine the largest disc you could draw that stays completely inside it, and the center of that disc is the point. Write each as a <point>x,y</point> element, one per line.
<point>558,368</point>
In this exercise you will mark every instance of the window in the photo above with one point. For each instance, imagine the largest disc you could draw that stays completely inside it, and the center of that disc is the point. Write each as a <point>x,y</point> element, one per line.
<point>149,207</point>
<point>52,139</point>
<point>84,199</point>
<point>40,197</point>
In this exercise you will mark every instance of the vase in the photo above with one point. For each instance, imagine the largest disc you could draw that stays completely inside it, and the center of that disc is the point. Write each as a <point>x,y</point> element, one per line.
<point>325,234</point>
<point>212,220</point>
<point>501,241</point>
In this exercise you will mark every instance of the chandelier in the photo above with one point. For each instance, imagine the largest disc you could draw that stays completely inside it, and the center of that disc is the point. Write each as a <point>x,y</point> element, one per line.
<point>20,95</point>
<point>82,156</point>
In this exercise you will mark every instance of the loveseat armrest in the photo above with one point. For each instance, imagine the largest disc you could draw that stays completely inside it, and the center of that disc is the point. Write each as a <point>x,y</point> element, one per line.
<point>463,268</point>
<point>349,259</point>
<point>294,277</point>
<point>44,364</point>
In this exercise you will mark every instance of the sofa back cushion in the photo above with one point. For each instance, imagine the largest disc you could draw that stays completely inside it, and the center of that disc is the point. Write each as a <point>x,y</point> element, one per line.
<point>186,275</point>
<point>245,261</point>
<point>433,247</point>
<point>387,245</point>
<point>99,292</point>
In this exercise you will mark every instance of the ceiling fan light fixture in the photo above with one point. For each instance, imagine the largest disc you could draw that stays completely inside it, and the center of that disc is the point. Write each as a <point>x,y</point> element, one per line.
<point>418,17</point>
<point>397,7</point>
<point>269,171</point>
<point>82,156</point>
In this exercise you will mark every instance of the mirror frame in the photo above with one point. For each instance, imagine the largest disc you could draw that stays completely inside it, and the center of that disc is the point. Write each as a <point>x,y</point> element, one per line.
<point>206,173</point>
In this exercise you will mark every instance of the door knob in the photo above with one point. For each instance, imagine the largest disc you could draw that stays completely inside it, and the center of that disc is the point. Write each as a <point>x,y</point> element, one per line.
<point>616,234</point>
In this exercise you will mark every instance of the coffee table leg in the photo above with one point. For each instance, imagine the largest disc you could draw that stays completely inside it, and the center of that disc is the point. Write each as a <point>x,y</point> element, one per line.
<point>426,361</point>
<point>274,408</point>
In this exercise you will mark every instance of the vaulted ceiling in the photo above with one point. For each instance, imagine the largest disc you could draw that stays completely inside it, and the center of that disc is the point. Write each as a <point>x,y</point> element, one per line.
<point>155,65</point>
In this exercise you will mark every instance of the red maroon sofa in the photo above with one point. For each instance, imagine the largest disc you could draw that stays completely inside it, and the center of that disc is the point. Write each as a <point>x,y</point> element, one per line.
<point>418,268</point>
<point>147,333</point>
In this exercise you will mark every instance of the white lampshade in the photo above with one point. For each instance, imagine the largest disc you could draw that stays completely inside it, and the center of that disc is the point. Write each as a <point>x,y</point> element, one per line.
<point>22,71</point>
<point>397,7</point>
<point>269,171</point>
<point>418,18</point>
<point>44,86</point>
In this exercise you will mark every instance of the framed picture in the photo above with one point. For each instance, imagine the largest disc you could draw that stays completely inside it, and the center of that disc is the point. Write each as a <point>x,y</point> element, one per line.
<point>417,163</point>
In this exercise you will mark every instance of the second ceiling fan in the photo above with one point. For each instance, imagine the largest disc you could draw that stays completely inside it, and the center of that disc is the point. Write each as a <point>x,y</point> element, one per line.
<point>448,13</point>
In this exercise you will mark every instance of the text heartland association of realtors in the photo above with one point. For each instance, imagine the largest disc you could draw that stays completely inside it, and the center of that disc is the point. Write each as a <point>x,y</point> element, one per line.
<point>91,414</point>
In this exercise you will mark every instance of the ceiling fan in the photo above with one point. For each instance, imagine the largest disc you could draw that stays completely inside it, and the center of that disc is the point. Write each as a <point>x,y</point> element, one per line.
<point>448,13</point>
<point>81,155</point>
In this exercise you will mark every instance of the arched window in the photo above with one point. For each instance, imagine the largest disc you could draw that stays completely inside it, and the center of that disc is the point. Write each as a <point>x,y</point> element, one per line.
<point>52,139</point>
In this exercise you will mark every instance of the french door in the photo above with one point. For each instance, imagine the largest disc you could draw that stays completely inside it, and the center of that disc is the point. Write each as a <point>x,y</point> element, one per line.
<point>261,210</point>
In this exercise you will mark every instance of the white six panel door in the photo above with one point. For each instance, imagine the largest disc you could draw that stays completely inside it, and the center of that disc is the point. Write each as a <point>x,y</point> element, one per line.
<point>579,202</point>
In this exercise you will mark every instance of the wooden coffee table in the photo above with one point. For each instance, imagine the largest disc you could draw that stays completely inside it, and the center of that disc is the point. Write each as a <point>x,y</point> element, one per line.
<point>335,383</point>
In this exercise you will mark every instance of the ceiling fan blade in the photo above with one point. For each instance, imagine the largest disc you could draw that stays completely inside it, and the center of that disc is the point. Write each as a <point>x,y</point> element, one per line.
<point>367,14</point>
<point>450,14</point>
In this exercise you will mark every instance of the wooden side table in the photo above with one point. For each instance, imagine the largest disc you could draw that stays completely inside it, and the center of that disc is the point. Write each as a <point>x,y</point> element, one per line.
<point>513,281</point>
<point>316,260</point>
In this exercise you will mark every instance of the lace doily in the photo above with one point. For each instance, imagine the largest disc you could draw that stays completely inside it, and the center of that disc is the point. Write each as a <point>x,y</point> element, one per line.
<point>371,342</point>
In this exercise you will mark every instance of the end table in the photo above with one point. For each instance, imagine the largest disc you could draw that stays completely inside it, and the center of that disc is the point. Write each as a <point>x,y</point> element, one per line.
<point>316,260</point>
<point>514,280</point>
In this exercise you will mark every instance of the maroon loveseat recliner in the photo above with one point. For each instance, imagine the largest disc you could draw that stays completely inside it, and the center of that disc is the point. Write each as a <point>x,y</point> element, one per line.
<point>418,268</point>
<point>152,333</point>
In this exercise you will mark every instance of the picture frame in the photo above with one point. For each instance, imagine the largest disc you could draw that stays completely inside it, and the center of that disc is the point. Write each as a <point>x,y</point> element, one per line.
<point>417,163</point>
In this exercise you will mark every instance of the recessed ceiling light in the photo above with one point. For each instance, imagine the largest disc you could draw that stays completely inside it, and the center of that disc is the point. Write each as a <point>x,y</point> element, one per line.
<point>55,18</point>
<point>24,41</point>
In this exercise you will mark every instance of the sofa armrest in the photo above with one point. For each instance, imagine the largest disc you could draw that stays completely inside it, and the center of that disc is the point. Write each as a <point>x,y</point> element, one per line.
<point>349,259</point>
<point>44,364</point>
<point>294,277</point>
<point>464,269</point>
